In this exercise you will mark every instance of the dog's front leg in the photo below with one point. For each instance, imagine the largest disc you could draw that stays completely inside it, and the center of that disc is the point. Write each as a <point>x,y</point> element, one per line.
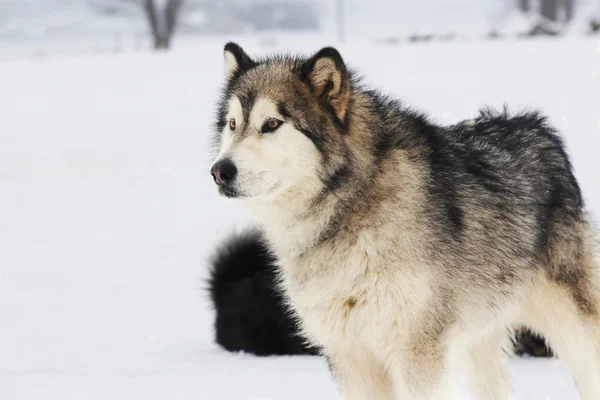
<point>420,371</point>
<point>359,376</point>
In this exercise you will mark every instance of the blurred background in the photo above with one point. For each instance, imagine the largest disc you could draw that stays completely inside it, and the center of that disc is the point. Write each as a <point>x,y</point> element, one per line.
<point>37,27</point>
<point>108,214</point>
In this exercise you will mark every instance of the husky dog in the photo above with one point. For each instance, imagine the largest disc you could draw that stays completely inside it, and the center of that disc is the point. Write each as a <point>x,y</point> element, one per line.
<point>406,248</point>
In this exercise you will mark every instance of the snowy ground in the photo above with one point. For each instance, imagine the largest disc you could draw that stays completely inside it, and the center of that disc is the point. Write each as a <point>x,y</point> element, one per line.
<point>108,213</point>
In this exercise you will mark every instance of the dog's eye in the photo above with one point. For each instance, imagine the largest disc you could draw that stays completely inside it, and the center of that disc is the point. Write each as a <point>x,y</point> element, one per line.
<point>232,124</point>
<point>271,125</point>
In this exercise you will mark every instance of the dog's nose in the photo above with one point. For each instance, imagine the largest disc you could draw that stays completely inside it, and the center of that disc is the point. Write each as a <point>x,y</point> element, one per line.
<point>223,172</point>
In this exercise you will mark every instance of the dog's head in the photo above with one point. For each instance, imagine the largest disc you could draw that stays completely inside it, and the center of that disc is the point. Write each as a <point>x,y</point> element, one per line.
<point>280,124</point>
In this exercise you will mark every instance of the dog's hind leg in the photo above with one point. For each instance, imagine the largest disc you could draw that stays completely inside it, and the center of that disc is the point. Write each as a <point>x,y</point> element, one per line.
<point>572,334</point>
<point>564,304</point>
<point>485,366</point>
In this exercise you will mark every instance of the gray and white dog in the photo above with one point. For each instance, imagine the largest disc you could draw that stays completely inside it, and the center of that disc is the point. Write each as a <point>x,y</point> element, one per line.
<point>406,248</point>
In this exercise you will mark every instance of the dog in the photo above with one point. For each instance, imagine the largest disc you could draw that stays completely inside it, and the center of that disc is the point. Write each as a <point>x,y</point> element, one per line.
<point>404,248</point>
<point>250,313</point>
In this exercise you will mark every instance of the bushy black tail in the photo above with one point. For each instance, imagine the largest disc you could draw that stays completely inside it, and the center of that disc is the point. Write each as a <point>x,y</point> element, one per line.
<point>250,316</point>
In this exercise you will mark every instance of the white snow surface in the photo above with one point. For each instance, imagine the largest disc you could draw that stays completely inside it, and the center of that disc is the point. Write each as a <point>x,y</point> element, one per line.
<point>108,213</point>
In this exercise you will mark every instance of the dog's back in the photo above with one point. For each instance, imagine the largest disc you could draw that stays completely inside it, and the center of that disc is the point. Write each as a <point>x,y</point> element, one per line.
<point>504,195</point>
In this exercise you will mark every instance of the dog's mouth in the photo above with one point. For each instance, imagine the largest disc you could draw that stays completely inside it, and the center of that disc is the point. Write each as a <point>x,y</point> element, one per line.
<point>233,193</point>
<point>229,192</point>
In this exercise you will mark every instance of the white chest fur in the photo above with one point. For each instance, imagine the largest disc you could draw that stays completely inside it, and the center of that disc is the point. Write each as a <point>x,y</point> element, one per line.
<point>350,294</point>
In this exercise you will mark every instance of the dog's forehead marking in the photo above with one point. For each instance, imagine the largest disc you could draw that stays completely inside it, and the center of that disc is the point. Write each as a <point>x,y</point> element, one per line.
<point>234,109</point>
<point>275,79</point>
<point>263,108</point>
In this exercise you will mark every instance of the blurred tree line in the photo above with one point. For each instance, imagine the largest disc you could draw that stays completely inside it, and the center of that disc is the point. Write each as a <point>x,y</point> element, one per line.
<point>545,17</point>
<point>166,17</point>
<point>161,20</point>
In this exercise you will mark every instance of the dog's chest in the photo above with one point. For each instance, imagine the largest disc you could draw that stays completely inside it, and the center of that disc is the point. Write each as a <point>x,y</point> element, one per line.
<point>351,297</point>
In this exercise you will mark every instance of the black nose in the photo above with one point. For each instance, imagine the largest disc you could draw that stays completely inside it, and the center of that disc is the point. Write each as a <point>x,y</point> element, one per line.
<point>223,172</point>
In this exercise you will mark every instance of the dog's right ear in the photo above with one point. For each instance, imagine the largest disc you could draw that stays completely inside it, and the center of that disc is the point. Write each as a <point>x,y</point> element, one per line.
<point>236,60</point>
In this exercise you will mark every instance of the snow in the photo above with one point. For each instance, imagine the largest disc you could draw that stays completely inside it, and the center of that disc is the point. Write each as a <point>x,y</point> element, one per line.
<point>108,212</point>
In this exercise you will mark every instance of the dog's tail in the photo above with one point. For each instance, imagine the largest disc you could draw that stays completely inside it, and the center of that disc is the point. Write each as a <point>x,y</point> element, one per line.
<point>250,315</point>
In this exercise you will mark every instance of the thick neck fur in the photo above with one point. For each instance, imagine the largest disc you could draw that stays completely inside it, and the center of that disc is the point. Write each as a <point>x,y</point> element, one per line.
<point>300,219</point>
<point>291,225</point>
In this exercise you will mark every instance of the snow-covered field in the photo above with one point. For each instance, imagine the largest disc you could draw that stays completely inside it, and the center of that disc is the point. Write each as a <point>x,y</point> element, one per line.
<point>108,214</point>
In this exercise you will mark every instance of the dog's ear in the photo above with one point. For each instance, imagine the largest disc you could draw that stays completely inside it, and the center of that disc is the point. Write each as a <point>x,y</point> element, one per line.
<point>327,76</point>
<point>236,60</point>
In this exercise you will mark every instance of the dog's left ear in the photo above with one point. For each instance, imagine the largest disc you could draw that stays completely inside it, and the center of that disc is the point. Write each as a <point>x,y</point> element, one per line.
<point>236,60</point>
<point>326,74</point>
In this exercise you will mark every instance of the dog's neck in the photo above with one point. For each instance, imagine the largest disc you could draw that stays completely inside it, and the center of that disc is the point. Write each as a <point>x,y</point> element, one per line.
<point>293,224</point>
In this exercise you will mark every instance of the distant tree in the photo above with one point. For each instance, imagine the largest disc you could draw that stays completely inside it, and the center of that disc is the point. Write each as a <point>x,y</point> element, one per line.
<point>162,21</point>
<point>162,15</point>
<point>162,24</point>
<point>552,10</point>
<point>165,17</point>
<point>525,5</point>
<point>553,15</point>
<point>555,10</point>
<point>549,9</point>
